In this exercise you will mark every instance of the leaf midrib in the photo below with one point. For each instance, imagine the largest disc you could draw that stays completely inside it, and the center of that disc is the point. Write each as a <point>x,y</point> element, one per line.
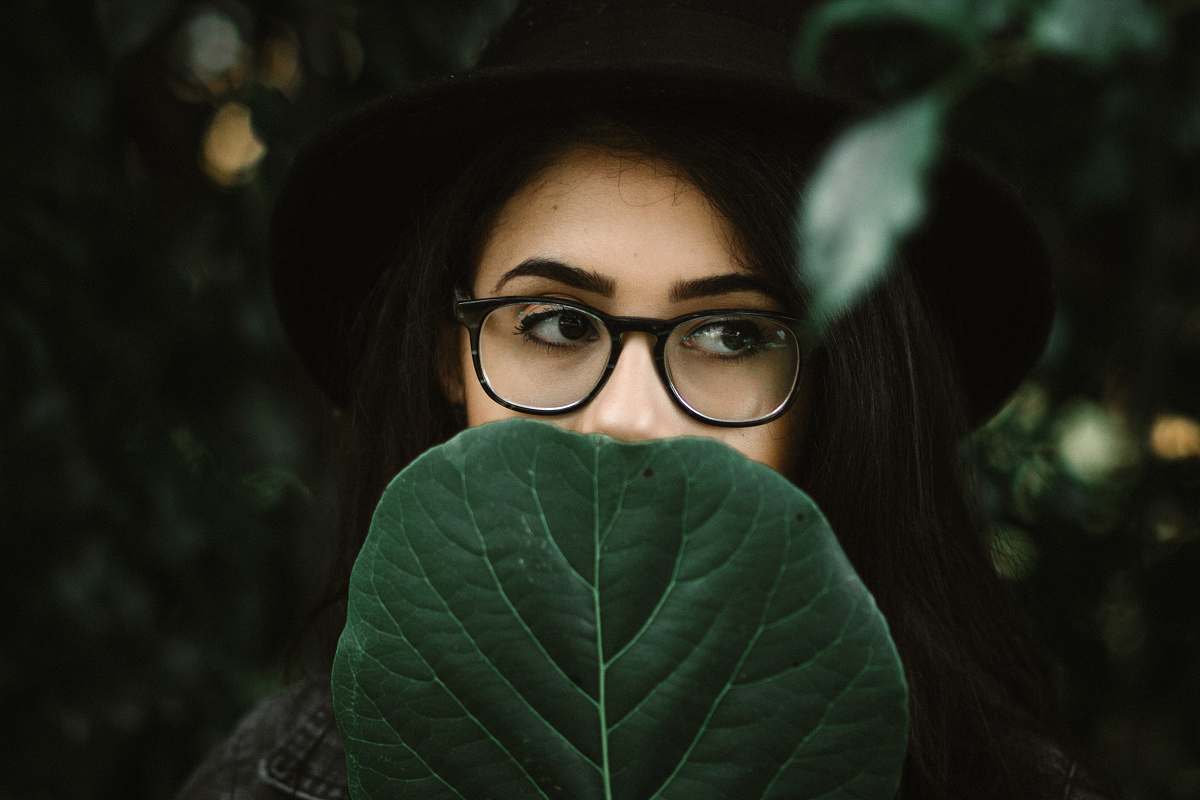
<point>604,770</point>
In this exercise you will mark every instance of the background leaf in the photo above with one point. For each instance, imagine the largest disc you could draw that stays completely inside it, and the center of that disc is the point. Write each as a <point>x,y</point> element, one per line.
<point>539,613</point>
<point>865,195</point>
<point>1096,31</point>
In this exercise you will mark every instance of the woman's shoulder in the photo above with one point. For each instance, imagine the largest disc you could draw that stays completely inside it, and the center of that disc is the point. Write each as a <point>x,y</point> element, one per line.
<point>286,746</point>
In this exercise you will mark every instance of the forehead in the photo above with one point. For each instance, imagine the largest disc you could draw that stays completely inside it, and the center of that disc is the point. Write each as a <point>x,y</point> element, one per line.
<point>630,218</point>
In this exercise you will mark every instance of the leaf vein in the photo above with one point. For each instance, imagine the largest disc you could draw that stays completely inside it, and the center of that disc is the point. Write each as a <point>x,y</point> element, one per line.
<point>716,704</point>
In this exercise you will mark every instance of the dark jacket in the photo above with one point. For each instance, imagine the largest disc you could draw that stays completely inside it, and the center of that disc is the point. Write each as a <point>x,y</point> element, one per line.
<point>288,746</point>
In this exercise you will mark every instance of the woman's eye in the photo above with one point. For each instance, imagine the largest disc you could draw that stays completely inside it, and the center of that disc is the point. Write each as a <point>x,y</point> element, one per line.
<point>725,338</point>
<point>561,328</point>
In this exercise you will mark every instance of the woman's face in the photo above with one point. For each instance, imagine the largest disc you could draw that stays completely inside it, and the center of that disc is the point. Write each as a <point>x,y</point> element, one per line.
<point>642,229</point>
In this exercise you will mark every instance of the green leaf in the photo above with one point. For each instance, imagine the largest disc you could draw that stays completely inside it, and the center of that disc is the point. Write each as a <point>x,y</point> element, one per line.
<point>865,195</point>
<point>538,613</point>
<point>962,21</point>
<point>1096,31</point>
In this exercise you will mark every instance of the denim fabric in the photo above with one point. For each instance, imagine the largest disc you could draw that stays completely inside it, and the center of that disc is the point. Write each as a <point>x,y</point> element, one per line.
<point>289,746</point>
<point>286,746</point>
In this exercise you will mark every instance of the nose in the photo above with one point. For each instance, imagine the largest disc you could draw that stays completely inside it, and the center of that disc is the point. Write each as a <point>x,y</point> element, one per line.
<point>634,404</point>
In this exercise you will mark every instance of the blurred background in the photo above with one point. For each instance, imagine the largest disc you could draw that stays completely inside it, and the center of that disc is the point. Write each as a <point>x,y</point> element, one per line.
<point>164,463</point>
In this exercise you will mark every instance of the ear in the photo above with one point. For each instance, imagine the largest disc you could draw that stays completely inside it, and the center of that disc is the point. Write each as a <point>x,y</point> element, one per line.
<point>447,363</point>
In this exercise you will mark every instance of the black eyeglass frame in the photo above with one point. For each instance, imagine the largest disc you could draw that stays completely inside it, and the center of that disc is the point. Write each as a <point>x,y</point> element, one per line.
<point>471,312</point>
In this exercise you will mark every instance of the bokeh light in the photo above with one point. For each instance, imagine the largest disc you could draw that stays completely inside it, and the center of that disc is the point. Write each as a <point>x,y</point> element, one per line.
<point>279,63</point>
<point>231,149</point>
<point>210,55</point>
<point>1174,437</point>
<point>1094,443</point>
<point>214,45</point>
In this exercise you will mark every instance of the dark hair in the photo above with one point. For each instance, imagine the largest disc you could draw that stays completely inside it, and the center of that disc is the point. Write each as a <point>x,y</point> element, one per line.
<point>881,450</point>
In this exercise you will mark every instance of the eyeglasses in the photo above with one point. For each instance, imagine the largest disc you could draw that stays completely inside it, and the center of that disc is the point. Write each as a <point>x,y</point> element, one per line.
<point>542,355</point>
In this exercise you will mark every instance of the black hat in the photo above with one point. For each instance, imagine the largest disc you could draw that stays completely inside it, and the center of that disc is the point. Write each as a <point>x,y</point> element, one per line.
<point>978,257</point>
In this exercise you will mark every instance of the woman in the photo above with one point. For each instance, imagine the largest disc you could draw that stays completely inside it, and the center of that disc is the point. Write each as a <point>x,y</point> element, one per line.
<point>645,159</point>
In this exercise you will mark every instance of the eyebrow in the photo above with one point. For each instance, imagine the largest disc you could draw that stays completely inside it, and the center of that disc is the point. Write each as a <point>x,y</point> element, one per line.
<point>591,281</point>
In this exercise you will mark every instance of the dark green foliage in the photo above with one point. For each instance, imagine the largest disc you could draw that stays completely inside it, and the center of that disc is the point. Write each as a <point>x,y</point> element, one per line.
<point>163,471</point>
<point>540,613</point>
<point>1092,473</point>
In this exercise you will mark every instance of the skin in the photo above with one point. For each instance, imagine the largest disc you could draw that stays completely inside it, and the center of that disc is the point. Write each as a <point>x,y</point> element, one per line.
<point>638,224</point>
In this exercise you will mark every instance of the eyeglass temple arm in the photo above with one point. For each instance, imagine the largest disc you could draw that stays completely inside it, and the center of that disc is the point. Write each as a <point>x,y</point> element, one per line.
<point>459,296</point>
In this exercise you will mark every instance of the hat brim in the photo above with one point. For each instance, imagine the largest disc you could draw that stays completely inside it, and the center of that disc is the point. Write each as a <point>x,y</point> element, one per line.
<point>978,257</point>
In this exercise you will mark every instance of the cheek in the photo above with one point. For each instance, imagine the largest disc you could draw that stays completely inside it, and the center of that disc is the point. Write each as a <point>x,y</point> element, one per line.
<point>773,444</point>
<point>480,407</point>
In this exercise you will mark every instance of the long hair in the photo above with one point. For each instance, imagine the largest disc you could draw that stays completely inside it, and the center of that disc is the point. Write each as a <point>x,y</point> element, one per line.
<point>880,453</point>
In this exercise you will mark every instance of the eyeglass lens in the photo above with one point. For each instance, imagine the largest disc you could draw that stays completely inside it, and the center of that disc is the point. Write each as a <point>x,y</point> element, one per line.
<point>544,356</point>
